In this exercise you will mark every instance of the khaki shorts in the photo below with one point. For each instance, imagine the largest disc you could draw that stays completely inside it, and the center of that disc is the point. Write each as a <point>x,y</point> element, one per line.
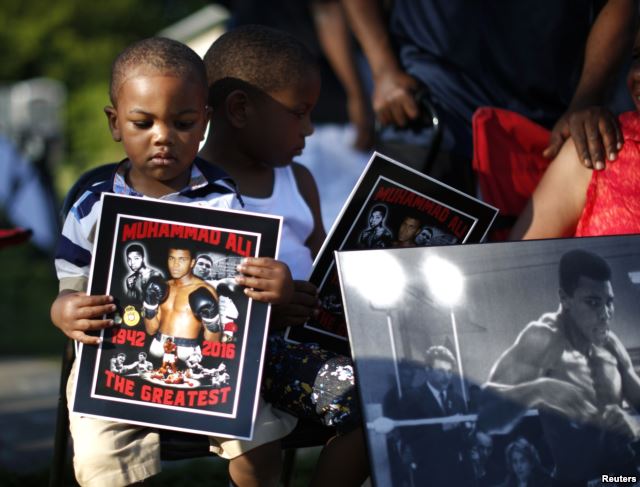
<point>111,454</point>
<point>106,453</point>
<point>271,424</point>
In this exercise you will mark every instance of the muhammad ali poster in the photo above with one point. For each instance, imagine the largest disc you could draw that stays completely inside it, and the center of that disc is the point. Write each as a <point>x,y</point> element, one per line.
<point>391,206</point>
<point>187,347</point>
<point>498,364</point>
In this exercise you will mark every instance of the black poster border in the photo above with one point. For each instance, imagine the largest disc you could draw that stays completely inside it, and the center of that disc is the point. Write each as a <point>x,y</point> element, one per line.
<point>381,168</point>
<point>207,419</point>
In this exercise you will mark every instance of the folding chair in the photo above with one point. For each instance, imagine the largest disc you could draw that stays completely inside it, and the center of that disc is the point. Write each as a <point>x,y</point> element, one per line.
<point>174,445</point>
<point>13,236</point>
<point>508,162</point>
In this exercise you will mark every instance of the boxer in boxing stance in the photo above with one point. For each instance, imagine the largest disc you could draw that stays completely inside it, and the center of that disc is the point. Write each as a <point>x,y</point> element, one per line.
<point>181,307</point>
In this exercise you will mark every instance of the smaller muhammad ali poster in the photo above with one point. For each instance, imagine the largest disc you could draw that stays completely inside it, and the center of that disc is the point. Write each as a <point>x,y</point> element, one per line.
<point>187,347</point>
<point>391,206</point>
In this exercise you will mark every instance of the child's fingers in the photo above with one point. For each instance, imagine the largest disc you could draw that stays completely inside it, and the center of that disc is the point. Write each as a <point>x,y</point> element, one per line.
<point>84,338</point>
<point>254,282</point>
<point>95,311</point>
<point>79,330</point>
<point>90,300</point>
<point>264,267</point>
<point>93,325</point>
<point>262,296</point>
<point>259,261</point>
<point>81,300</point>
<point>265,272</point>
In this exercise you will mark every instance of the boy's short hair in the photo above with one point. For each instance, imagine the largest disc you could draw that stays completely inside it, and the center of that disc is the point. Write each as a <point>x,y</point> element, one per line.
<point>158,53</point>
<point>265,58</point>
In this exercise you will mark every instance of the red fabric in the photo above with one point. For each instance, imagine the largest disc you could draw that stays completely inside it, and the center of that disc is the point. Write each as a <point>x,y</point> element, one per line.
<point>13,236</point>
<point>507,159</point>
<point>613,197</point>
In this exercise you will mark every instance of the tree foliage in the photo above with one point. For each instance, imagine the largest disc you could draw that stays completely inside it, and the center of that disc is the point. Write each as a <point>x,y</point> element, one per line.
<point>75,41</point>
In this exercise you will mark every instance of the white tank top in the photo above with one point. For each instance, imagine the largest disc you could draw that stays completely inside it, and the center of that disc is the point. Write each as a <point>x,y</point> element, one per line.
<point>286,201</point>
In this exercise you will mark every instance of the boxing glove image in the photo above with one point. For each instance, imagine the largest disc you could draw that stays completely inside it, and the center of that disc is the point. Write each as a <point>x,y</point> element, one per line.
<point>205,307</point>
<point>155,292</point>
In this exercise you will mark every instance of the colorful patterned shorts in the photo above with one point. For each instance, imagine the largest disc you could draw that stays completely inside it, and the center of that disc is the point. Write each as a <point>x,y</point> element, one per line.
<point>311,383</point>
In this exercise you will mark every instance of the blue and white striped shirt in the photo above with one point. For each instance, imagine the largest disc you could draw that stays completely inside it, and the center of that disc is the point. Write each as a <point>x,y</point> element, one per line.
<point>208,186</point>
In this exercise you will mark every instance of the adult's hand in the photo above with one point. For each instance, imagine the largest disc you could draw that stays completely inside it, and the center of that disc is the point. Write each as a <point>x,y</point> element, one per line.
<point>393,101</point>
<point>595,132</point>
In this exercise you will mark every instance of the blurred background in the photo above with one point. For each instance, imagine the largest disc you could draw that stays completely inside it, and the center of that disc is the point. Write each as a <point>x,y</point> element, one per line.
<point>53,86</point>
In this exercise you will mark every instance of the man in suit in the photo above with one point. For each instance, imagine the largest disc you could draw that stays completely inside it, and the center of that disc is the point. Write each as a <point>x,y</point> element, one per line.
<point>430,451</point>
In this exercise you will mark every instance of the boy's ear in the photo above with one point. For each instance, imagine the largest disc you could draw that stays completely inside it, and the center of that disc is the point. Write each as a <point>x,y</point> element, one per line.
<point>112,118</point>
<point>238,108</point>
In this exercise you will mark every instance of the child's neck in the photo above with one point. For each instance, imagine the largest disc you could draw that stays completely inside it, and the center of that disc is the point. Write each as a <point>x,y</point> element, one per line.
<point>254,179</point>
<point>153,188</point>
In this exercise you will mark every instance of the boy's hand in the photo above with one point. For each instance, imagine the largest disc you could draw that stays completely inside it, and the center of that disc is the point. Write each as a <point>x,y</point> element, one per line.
<point>304,304</point>
<point>266,280</point>
<point>76,313</point>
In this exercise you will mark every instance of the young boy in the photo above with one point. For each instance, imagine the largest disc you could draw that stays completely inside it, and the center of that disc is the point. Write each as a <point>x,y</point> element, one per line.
<point>158,93</point>
<point>263,85</point>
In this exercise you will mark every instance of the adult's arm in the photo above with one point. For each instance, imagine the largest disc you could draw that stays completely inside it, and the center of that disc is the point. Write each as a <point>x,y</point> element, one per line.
<point>593,127</point>
<point>558,200</point>
<point>393,100</point>
<point>333,33</point>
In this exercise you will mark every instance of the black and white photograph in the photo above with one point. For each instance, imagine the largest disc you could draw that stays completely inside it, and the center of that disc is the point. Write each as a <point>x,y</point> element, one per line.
<point>391,206</point>
<point>498,364</point>
<point>187,347</point>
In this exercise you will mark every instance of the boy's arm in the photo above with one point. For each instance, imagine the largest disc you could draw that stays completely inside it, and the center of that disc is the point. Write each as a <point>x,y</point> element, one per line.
<point>309,191</point>
<point>557,202</point>
<point>76,313</point>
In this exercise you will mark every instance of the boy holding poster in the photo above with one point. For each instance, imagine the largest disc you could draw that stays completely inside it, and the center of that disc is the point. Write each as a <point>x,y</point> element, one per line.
<point>159,113</point>
<point>263,86</point>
